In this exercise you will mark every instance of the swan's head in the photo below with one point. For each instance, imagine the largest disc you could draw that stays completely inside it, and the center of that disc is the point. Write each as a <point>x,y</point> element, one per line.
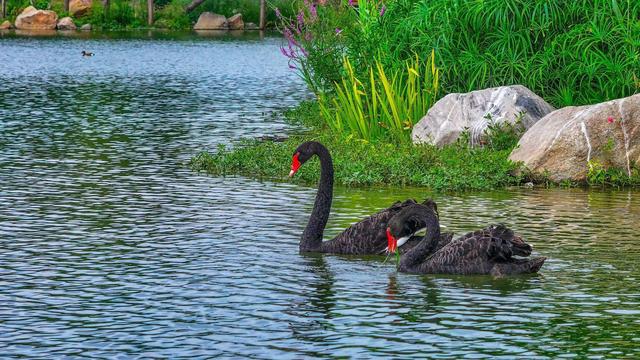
<point>407,222</point>
<point>303,153</point>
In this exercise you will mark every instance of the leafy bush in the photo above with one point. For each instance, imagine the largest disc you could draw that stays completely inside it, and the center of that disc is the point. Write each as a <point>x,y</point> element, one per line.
<point>598,174</point>
<point>173,16</point>
<point>568,52</point>
<point>120,14</point>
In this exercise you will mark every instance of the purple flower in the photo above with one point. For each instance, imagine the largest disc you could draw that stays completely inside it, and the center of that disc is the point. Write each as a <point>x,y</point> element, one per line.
<point>278,13</point>
<point>382,10</point>
<point>353,2</point>
<point>338,31</point>
<point>313,10</point>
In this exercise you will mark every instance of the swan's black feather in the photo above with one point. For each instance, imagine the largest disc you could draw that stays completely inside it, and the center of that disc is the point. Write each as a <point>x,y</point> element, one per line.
<point>486,251</point>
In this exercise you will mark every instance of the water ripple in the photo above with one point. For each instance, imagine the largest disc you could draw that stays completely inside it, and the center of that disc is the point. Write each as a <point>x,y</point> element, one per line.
<point>111,248</point>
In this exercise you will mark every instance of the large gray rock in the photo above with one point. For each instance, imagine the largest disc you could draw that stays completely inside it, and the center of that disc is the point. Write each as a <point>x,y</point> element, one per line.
<point>473,111</point>
<point>211,21</point>
<point>66,23</point>
<point>562,144</point>
<point>85,27</point>
<point>33,19</point>
<point>235,22</point>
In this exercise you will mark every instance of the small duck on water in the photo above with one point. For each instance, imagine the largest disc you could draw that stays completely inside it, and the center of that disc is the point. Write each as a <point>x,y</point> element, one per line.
<point>86,53</point>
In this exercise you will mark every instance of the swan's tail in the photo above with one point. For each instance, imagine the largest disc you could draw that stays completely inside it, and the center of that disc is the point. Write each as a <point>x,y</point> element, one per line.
<point>520,266</point>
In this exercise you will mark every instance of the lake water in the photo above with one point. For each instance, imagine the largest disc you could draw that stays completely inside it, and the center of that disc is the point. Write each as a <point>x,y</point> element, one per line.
<point>110,247</point>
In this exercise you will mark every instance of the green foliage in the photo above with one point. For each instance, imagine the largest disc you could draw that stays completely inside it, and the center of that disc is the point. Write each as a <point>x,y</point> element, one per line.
<point>119,15</point>
<point>568,52</point>
<point>173,16</point>
<point>315,42</point>
<point>505,135</point>
<point>600,175</point>
<point>384,106</point>
<point>362,163</point>
<point>359,163</point>
<point>127,14</point>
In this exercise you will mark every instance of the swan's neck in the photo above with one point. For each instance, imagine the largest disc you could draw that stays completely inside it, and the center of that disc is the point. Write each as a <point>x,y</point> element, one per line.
<point>426,246</point>
<point>312,235</point>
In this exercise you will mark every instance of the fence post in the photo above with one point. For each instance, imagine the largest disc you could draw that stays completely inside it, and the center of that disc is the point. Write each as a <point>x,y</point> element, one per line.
<point>262,14</point>
<point>150,12</point>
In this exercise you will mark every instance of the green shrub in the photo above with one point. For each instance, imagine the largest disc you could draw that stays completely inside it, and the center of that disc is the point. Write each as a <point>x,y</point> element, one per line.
<point>568,52</point>
<point>173,16</point>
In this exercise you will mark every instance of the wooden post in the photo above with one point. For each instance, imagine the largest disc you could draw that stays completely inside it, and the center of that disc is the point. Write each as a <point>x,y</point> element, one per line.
<point>3,8</point>
<point>262,14</point>
<point>65,6</point>
<point>150,12</point>
<point>106,4</point>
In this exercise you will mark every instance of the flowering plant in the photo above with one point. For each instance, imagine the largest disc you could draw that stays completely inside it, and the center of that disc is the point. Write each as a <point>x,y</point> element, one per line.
<point>321,34</point>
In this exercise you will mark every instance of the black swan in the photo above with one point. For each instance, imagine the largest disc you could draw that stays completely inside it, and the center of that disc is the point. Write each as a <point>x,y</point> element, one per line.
<point>367,237</point>
<point>487,251</point>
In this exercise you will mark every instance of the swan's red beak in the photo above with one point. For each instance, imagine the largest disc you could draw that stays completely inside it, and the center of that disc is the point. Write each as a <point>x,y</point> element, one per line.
<point>392,242</point>
<point>295,164</point>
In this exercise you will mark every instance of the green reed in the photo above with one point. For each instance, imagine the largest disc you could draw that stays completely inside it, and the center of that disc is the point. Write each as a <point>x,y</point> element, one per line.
<point>384,105</point>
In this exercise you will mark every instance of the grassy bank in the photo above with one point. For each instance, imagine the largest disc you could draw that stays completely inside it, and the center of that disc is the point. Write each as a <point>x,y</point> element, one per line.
<point>361,163</point>
<point>167,14</point>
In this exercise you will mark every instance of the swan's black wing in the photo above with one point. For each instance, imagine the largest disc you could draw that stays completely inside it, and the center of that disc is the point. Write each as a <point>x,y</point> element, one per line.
<point>366,237</point>
<point>486,251</point>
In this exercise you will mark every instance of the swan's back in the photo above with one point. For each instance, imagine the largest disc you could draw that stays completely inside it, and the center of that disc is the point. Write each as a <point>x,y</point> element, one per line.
<point>486,251</point>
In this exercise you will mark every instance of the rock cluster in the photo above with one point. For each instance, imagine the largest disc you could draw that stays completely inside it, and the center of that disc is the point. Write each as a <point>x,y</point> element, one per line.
<point>212,21</point>
<point>558,144</point>
<point>474,111</point>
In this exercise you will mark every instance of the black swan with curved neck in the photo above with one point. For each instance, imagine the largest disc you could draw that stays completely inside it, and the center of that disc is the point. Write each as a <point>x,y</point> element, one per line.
<point>486,251</point>
<point>367,237</point>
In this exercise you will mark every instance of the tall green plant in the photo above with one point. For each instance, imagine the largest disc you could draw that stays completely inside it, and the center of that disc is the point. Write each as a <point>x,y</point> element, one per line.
<point>568,52</point>
<point>384,106</point>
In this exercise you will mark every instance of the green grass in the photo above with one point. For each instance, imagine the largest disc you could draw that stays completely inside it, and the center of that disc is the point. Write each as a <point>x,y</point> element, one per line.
<point>362,163</point>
